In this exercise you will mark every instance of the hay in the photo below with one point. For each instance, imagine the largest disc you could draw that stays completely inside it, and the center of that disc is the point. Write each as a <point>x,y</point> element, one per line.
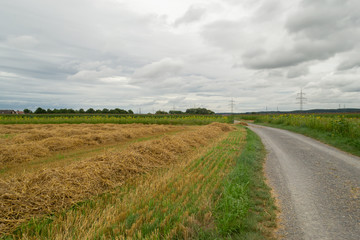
<point>49,190</point>
<point>29,142</point>
<point>242,123</point>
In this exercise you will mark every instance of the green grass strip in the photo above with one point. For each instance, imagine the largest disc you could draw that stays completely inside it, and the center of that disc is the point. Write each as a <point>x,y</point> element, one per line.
<point>245,208</point>
<point>113,118</point>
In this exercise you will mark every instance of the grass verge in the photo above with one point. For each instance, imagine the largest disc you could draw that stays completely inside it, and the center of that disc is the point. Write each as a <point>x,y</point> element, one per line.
<point>246,209</point>
<point>344,143</point>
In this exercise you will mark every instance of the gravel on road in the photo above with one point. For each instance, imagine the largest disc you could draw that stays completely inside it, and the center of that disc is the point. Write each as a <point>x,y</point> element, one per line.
<point>317,186</point>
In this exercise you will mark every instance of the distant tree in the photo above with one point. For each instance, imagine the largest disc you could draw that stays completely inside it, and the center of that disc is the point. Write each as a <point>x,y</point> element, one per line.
<point>27,111</point>
<point>161,112</point>
<point>49,111</point>
<point>90,110</point>
<point>202,111</point>
<point>130,111</point>
<point>175,112</point>
<point>121,111</point>
<point>105,110</point>
<point>81,110</point>
<point>98,111</point>
<point>39,110</point>
<point>70,110</point>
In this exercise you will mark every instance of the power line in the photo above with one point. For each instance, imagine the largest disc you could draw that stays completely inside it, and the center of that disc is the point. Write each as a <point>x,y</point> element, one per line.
<point>301,99</point>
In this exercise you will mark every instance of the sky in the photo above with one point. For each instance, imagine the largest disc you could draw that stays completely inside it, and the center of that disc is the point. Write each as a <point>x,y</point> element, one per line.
<point>174,55</point>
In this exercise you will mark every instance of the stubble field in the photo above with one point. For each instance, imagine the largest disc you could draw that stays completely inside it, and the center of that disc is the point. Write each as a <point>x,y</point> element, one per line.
<point>46,168</point>
<point>132,181</point>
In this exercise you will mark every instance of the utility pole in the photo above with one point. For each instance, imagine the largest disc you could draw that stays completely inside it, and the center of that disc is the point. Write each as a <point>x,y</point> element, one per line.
<point>301,99</point>
<point>232,106</point>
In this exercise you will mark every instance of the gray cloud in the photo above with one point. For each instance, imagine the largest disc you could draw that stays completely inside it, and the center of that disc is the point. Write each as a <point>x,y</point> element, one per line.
<point>341,82</point>
<point>232,36</point>
<point>319,30</point>
<point>193,14</point>
<point>304,50</point>
<point>268,10</point>
<point>297,71</point>
<point>350,61</point>
<point>348,64</point>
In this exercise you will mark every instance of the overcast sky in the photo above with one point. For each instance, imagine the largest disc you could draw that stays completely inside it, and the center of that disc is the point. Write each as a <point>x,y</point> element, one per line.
<point>179,54</point>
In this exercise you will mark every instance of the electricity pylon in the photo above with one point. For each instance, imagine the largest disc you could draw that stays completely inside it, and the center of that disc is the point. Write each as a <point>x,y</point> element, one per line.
<point>232,106</point>
<point>301,99</point>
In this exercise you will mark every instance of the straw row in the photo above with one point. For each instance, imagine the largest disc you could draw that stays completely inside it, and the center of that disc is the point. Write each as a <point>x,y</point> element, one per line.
<point>34,194</point>
<point>22,143</point>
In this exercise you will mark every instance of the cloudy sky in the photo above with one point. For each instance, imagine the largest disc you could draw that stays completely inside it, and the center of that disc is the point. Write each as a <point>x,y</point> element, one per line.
<point>179,54</point>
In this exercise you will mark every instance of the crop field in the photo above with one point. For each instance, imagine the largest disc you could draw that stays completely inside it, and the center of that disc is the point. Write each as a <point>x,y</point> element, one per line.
<point>339,130</point>
<point>113,118</point>
<point>343,125</point>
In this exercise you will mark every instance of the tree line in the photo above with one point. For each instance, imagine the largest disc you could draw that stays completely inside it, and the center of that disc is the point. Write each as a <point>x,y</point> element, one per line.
<point>39,110</point>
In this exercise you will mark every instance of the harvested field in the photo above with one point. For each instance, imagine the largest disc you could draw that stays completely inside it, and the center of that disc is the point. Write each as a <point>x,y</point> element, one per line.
<point>36,193</point>
<point>170,204</point>
<point>23,143</point>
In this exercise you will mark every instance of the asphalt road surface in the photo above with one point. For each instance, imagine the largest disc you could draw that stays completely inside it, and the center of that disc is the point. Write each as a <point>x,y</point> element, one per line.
<point>317,186</point>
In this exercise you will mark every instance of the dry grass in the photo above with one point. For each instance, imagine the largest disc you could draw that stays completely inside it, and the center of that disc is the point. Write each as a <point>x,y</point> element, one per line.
<point>23,143</point>
<point>33,194</point>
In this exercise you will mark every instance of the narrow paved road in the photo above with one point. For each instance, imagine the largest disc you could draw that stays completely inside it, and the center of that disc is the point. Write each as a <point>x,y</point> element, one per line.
<point>318,187</point>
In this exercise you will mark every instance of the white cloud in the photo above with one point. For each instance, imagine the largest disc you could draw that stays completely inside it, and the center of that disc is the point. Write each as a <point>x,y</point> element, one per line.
<point>115,79</point>
<point>93,76</point>
<point>164,68</point>
<point>8,75</point>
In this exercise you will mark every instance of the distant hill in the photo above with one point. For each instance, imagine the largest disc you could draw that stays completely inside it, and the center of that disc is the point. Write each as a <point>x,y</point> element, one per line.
<point>340,110</point>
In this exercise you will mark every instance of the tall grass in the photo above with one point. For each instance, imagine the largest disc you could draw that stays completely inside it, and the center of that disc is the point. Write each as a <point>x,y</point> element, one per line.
<point>117,119</point>
<point>339,124</point>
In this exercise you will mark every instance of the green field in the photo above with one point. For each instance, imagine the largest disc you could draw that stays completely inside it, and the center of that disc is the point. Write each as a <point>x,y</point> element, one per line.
<point>113,118</point>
